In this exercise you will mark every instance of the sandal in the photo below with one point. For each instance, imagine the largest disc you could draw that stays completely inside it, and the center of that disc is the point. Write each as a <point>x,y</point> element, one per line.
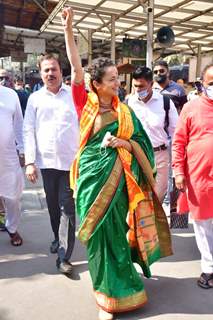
<point>205,281</point>
<point>15,239</point>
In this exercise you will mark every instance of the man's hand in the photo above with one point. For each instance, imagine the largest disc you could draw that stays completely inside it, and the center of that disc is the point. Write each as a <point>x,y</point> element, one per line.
<point>180,182</point>
<point>67,18</point>
<point>31,173</point>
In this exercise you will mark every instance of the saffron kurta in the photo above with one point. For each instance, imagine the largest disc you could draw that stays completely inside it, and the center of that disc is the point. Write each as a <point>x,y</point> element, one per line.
<point>192,154</point>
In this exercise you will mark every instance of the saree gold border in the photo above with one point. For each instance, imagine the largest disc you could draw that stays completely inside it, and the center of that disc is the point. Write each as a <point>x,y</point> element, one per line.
<point>164,234</point>
<point>115,305</point>
<point>100,205</point>
<point>143,162</point>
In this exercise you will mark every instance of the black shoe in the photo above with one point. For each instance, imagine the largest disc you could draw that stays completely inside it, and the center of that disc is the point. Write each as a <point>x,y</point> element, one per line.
<point>54,246</point>
<point>64,267</point>
<point>2,227</point>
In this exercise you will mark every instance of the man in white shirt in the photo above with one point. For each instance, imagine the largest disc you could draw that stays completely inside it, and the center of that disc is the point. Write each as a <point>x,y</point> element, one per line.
<point>51,137</point>
<point>148,105</point>
<point>11,158</point>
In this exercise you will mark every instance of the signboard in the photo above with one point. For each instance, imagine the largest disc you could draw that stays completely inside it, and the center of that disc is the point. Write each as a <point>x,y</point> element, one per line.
<point>134,48</point>
<point>18,56</point>
<point>34,45</point>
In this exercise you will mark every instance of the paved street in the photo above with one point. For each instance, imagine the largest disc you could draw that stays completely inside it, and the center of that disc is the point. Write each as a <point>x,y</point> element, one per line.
<point>32,289</point>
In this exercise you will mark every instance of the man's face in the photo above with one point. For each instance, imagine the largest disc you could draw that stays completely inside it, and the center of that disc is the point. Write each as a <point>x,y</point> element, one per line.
<point>68,82</point>
<point>208,83</point>
<point>161,74</point>
<point>51,74</point>
<point>19,85</point>
<point>4,78</point>
<point>142,88</point>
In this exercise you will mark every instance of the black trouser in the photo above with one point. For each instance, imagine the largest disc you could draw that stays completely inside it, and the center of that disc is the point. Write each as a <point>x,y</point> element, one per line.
<point>61,208</point>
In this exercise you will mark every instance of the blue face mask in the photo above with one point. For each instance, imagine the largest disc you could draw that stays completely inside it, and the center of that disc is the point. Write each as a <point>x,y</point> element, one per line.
<point>209,92</point>
<point>142,94</point>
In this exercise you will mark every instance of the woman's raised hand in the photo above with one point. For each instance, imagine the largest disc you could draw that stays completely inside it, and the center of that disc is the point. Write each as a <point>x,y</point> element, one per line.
<point>67,17</point>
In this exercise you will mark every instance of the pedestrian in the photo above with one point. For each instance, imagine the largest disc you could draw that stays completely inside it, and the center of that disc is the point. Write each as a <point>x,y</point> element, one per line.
<point>168,87</point>
<point>5,78</point>
<point>122,91</point>
<point>196,91</point>
<point>158,116</point>
<point>111,175</point>
<point>11,160</point>
<point>22,93</point>
<point>177,94</point>
<point>192,154</point>
<point>67,80</point>
<point>51,136</point>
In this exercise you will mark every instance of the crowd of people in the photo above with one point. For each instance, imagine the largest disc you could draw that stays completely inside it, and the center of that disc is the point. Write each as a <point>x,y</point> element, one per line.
<point>109,161</point>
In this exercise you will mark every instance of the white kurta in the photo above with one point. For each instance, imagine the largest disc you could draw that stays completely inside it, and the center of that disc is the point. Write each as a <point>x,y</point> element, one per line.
<point>11,122</point>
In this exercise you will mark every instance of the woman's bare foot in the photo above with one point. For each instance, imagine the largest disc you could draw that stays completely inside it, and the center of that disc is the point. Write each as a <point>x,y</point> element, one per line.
<point>103,315</point>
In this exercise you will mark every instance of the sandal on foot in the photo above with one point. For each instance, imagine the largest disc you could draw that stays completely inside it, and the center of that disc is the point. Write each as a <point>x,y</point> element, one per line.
<point>205,281</point>
<point>103,315</point>
<point>15,239</point>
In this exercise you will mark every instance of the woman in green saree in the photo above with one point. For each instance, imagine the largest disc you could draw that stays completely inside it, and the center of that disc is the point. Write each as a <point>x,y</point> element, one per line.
<point>121,220</point>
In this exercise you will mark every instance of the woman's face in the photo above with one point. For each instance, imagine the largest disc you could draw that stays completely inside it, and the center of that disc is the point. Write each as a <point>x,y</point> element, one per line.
<point>110,83</point>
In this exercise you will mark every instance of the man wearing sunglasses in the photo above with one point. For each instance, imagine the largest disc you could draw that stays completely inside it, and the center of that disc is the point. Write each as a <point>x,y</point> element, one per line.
<point>192,153</point>
<point>148,105</point>
<point>168,87</point>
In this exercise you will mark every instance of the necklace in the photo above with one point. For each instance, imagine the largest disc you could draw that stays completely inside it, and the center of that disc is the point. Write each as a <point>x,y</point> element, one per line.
<point>105,106</point>
<point>103,110</point>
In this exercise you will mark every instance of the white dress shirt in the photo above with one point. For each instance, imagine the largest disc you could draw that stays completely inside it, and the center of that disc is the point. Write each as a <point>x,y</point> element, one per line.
<point>51,130</point>
<point>11,120</point>
<point>152,116</point>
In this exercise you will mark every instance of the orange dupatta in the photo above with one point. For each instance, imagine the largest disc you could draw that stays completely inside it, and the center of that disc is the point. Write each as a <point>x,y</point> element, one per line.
<point>125,131</point>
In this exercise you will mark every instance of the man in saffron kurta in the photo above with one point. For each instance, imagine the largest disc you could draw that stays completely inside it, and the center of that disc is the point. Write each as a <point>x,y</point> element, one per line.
<point>192,154</point>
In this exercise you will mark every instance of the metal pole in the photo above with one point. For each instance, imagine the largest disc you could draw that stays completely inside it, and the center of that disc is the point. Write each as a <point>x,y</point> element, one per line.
<point>150,28</point>
<point>198,66</point>
<point>89,46</point>
<point>113,38</point>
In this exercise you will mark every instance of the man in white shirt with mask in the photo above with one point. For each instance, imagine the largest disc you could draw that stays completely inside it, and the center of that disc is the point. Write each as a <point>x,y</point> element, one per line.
<point>51,138</point>
<point>148,105</point>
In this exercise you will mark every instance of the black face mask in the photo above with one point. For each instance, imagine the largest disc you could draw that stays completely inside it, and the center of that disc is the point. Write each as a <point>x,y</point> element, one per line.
<point>160,78</point>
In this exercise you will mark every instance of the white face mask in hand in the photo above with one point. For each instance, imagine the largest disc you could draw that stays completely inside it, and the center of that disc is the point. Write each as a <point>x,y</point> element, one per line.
<point>209,92</point>
<point>105,140</point>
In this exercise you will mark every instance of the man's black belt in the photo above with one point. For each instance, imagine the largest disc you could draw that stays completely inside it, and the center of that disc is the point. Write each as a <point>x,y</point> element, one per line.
<point>159,148</point>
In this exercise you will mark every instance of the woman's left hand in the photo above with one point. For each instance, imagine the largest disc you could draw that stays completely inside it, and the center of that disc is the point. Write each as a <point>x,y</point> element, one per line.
<point>115,142</point>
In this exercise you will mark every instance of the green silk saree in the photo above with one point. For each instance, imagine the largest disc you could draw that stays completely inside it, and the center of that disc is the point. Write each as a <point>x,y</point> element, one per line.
<point>102,205</point>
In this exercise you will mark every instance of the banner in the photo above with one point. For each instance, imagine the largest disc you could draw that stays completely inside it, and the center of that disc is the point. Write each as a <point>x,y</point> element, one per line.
<point>34,45</point>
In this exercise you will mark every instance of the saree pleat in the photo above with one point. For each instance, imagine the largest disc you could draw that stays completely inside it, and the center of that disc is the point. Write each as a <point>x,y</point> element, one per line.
<point>102,204</point>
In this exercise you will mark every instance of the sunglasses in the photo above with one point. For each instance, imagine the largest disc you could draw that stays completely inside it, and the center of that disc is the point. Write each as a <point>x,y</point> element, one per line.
<point>160,71</point>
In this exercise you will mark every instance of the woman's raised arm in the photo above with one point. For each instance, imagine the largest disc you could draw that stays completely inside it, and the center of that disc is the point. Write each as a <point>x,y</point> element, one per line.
<point>71,48</point>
